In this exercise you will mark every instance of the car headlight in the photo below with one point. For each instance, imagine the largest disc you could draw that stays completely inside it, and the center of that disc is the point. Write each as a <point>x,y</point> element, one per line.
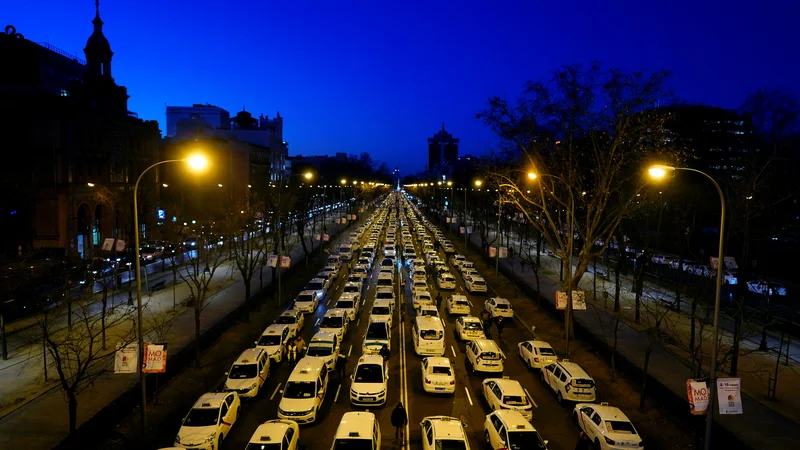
<point>211,437</point>
<point>252,386</point>
<point>177,439</point>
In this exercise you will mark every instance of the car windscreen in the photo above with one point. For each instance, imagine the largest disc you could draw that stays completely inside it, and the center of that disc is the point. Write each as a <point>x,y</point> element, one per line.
<point>369,373</point>
<point>502,306</point>
<point>578,382</point>
<point>515,400</point>
<point>384,282</point>
<point>319,350</point>
<point>269,339</point>
<point>430,335</point>
<point>441,370</point>
<point>331,322</point>
<point>546,351</point>
<point>354,289</point>
<point>314,286</point>
<point>461,302</point>
<point>201,417</point>
<point>285,320</point>
<point>352,444</point>
<point>305,298</point>
<point>299,389</point>
<point>450,444</point>
<point>489,355</point>
<point>377,330</point>
<point>344,304</point>
<point>384,295</point>
<point>381,311</point>
<point>239,371</point>
<point>472,326</point>
<point>525,440</point>
<point>620,426</point>
<point>478,282</point>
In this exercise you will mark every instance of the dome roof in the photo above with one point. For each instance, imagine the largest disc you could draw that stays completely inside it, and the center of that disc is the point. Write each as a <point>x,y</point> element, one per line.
<point>97,44</point>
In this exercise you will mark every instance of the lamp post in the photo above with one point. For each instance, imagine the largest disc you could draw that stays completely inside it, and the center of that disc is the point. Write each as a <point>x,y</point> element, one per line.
<point>196,163</point>
<point>659,171</point>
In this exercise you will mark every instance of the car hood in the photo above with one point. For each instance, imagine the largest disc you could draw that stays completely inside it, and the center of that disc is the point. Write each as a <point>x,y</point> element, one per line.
<point>242,383</point>
<point>376,343</point>
<point>270,349</point>
<point>195,435</point>
<point>297,404</point>
<point>368,388</point>
<point>336,331</point>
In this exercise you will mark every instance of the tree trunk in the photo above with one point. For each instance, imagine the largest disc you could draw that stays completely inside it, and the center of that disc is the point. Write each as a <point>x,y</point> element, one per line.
<point>539,242</point>
<point>692,333</point>
<point>3,336</point>
<point>614,349</point>
<point>73,413</point>
<point>69,310</point>
<point>617,283</point>
<point>246,297</point>
<point>647,354</point>
<point>198,308</point>
<point>103,314</point>
<point>261,277</point>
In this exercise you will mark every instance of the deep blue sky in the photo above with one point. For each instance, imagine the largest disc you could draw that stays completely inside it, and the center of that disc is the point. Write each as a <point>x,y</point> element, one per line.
<point>381,76</point>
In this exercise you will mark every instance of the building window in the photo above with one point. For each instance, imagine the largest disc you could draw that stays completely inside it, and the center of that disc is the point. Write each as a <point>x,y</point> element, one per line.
<point>96,231</point>
<point>64,93</point>
<point>143,229</point>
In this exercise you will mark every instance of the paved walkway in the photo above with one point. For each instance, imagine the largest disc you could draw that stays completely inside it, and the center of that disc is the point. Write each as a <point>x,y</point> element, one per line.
<point>764,424</point>
<point>34,411</point>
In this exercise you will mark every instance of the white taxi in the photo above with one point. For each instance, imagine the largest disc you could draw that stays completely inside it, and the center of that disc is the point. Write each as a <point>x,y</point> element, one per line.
<point>507,429</point>
<point>499,307</point>
<point>334,321</point>
<point>357,430</point>
<point>469,328</point>
<point>456,260</point>
<point>504,393</point>
<point>457,304</point>
<point>325,347</point>
<point>446,281</point>
<point>419,285</point>
<point>248,373</point>
<point>275,434</point>
<point>381,311</point>
<point>607,426</point>
<point>376,337</point>
<point>438,376</point>
<point>350,304</point>
<point>385,293</point>
<point>304,391</point>
<point>209,420</point>
<point>420,298</point>
<point>475,284</point>
<point>292,318</point>
<point>307,301</point>
<point>569,381</point>
<point>368,386</point>
<point>427,310</point>
<point>273,341</point>
<point>443,432</point>
<point>536,354</point>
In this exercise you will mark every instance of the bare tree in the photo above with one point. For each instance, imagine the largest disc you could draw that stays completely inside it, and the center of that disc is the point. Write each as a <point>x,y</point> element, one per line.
<point>201,265</point>
<point>247,250</point>
<point>159,326</point>
<point>655,317</point>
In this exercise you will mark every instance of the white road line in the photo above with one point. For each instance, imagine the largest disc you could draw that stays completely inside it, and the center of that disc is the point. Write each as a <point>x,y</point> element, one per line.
<point>338,388</point>
<point>454,351</point>
<point>349,351</point>
<point>470,302</point>
<point>358,322</point>
<point>329,301</point>
<point>317,322</point>
<point>531,397</point>
<point>277,388</point>
<point>469,397</point>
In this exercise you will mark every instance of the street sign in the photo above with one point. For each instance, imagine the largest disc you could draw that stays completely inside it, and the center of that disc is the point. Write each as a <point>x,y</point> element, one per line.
<point>326,237</point>
<point>469,230</point>
<point>462,230</point>
<point>492,251</point>
<point>578,300</point>
<point>447,219</point>
<point>285,262</point>
<point>120,245</point>
<point>155,358</point>
<point>272,261</point>
<point>503,252</point>
<point>108,244</point>
<point>729,395</point>
<point>697,391</point>
<point>125,359</point>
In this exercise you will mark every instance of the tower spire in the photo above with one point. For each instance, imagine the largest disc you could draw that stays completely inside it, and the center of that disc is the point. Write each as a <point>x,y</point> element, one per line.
<point>442,125</point>
<point>97,8</point>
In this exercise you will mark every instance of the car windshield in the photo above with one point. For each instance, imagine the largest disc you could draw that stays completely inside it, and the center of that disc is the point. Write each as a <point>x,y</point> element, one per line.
<point>489,355</point>
<point>344,304</point>
<point>299,389</point>
<point>430,335</point>
<point>583,383</point>
<point>546,351</point>
<point>260,446</point>
<point>525,440</point>
<point>369,373</point>
<point>269,339</point>
<point>354,289</point>
<point>381,311</point>
<point>352,444</point>
<point>377,330</point>
<point>286,320</point>
<point>430,312</point>
<point>478,282</point>
<point>441,370</point>
<point>319,350</point>
<point>618,426</point>
<point>461,303</point>
<point>331,322</point>
<point>472,326</point>
<point>515,400</point>
<point>201,417</point>
<point>384,281</point>
<point>384,295</point>
<point>305,298</point>
<point>315,286</point>
<point>450,444</point>
<point>500,305</point>
<point>239,371</point>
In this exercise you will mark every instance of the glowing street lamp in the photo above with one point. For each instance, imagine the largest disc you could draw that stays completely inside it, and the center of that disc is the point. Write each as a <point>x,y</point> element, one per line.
<point>532,175</point>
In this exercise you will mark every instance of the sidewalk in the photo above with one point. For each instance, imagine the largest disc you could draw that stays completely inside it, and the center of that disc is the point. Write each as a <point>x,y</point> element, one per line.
<point>764,424</point>
<point>37,413</point>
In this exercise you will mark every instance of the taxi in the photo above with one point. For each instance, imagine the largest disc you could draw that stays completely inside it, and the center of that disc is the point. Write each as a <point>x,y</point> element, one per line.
<point>279,434</point>
<point>209,420</point>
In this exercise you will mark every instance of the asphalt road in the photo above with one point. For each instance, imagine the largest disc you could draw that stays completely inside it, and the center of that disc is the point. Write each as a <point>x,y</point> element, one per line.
<point>551,419</point>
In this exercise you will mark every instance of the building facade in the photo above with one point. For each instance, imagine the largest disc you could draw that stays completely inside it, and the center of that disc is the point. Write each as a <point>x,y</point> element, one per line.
<point>73,149</point>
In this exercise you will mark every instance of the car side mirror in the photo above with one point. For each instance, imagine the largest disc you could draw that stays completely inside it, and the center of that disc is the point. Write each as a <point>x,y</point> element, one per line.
<point>545,442</point>
<point>226,374</point>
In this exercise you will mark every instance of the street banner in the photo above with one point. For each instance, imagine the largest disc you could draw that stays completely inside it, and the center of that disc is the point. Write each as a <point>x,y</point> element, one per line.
<point>272,261</point>
<point>469,230</point>
<point>126,358</point>
<point>697,392</point>
<point>326,237</point>
<point>352,217</point>
<point>108,244</point>
<point>578,300</point>
<point>713,261</point>
<point>286,261</point>
<point>503,252</point>
<point>730,263</point>
<point>729,395</point>
<point>447,220</point>
<point>492,251</point>
<point>120,245</point>
<point>155,358</point>
<point>316,237</point>
<point>361,209</point>
<point>462,230</point>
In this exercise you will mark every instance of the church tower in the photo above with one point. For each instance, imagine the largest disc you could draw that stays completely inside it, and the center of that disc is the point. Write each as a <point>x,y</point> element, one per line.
<point>98,50</point>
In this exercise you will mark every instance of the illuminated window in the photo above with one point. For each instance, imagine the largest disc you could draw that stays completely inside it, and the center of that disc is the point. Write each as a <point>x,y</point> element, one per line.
<point>64,93</point>
<point>96,231</point>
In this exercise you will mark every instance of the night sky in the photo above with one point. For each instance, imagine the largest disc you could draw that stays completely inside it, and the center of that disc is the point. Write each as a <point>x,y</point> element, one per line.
<point>358,76</point>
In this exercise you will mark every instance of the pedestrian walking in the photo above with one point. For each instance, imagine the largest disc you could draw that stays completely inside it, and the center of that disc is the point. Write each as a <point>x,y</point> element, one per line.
<point>500,322</point>
<point>341,365</point>
<point>399,421</point>
<point>385,352</point>
<point>583,442</point>
<point>486,316</point>
<point>291,353</point>
<point>301,346</point>
<point>438,299</point>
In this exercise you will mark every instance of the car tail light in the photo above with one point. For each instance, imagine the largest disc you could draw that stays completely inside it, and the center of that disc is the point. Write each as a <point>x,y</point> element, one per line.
<point>427,381</point>
<point>536,359</point>
<point>568,386</point>
<point>452,382</point>
<point>609,441</point>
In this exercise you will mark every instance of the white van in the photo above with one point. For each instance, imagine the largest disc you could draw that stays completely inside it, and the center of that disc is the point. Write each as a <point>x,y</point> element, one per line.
<point>428,336</point>
<point>358,430</point>
<point>304,391</point>
<point>346,252</point>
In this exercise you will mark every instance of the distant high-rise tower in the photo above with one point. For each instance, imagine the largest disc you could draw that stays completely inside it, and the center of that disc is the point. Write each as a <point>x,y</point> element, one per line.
<point>442,149</point>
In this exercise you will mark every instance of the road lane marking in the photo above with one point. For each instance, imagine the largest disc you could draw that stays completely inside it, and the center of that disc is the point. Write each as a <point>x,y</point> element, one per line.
<point>470,303</point>
<point>454,351</point>
<point>349,351</point>
<point>336,397</point>
<point>329,301</point>
<point>317,322</point>
<point>531,397</point>
<point>469,397</point>
<point>277,388</point>
<point>358,322</point>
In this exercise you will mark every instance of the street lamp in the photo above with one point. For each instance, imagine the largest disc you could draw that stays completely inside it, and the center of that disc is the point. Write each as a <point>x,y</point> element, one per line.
<point>196,163</point>
<point>660,171</point>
